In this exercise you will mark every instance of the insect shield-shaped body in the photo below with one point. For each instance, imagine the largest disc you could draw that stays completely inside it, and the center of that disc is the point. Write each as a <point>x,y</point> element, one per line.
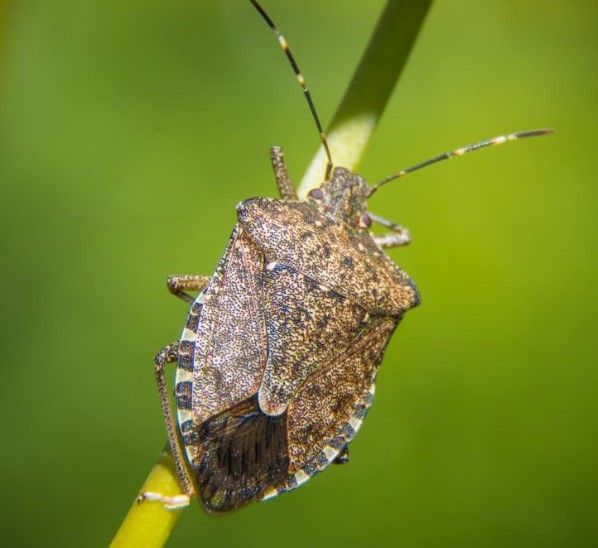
<point>278,359</point>
<point>277,364</point>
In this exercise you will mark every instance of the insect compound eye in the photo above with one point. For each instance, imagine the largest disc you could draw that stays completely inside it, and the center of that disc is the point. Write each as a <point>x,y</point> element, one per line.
<point>365,220</point>
<point>316,194</point>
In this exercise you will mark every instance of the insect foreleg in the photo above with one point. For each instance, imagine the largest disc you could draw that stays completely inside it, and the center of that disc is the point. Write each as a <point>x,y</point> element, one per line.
<point>283,181</point>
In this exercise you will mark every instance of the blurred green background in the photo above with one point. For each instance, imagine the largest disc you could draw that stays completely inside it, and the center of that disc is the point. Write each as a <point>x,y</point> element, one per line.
<point>129,131</point>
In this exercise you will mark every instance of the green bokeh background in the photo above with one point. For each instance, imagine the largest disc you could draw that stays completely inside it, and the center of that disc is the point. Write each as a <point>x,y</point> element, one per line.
<point>129,131</point>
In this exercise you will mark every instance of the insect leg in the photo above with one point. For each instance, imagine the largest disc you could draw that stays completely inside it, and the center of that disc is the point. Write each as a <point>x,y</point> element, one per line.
<point>398,236</point>
<point>169,355</point>
<point>178,285</point>
<point>343,456</point>
<point>283,181</point>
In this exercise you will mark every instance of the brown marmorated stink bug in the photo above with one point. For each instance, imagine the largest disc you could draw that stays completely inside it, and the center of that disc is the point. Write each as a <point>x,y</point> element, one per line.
<point>277,361</point>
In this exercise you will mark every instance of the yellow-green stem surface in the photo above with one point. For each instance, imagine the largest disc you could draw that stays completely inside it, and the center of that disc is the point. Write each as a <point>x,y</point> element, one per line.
<point>370,89</point>
<point>150,523</point>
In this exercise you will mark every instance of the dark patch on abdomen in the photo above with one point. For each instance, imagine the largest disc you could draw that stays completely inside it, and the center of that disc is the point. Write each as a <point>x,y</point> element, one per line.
<point>243,452</point>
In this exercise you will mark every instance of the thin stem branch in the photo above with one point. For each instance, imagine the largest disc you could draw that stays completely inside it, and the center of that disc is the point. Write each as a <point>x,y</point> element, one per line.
<point>149,524</point>
<point>370,89</point>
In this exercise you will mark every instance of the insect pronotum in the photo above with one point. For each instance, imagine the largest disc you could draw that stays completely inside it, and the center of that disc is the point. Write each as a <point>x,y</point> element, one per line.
<point>277,362</point>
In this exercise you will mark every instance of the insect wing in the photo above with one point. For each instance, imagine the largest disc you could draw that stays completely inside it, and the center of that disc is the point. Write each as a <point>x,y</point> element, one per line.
<point>330,407</point>
<point>229,342</point>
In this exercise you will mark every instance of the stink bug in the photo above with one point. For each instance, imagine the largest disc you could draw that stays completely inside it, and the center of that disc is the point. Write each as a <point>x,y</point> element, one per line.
<point>278,359</point>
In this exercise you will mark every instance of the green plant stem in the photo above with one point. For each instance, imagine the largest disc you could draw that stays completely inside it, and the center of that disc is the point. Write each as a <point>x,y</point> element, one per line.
<point>149,524</point>
<point>370,89</point>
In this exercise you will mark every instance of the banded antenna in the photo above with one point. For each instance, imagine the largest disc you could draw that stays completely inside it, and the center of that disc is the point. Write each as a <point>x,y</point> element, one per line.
<point>498,140</point>
<point>312,107</point>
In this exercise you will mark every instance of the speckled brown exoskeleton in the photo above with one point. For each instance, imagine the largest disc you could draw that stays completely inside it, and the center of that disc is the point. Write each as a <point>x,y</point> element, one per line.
<point>278,358</point>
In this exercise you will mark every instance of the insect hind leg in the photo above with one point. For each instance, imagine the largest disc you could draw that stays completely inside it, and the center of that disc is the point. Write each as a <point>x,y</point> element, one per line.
<point>174,502</point>
<point>167,355</point>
